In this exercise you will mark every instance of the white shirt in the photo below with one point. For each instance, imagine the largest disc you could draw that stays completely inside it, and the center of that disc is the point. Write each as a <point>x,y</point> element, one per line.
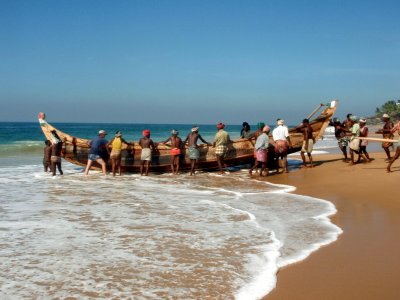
<point>280,133</point>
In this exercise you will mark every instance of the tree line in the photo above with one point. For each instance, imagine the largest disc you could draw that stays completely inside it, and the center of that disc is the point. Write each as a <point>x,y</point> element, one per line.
<point>391,107</point>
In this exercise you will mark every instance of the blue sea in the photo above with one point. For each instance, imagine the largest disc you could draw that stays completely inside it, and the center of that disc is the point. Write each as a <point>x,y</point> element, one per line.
<point>159,237</point>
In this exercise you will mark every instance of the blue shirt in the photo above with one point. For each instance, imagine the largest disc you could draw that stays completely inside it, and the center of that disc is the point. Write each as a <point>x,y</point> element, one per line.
<point>98,146</point>
<point>262,142</point>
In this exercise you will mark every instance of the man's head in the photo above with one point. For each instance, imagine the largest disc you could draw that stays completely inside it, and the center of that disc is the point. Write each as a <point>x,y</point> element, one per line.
<point>266,129</point>
<point>146,133</point>
<point>102,133</point>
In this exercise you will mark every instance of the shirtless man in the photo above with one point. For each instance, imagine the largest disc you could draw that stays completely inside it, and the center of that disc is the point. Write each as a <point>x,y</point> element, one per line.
<point>386,132</point>
<point>47,156</point>
<point>176,144</point>
<point>194,153</point>
<point>397,154</point>
<point>56,158</point>
<point>308,143</point>
<point>147,147</point>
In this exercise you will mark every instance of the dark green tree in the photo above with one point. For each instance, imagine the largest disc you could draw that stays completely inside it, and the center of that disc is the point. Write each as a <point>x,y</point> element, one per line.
<point>391,107</point>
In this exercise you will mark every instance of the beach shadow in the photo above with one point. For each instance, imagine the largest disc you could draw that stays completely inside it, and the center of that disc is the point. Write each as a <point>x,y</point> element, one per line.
<point>321,162</point>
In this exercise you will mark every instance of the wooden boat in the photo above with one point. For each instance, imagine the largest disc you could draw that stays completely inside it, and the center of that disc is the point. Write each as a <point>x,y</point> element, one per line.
<point>75,149</point>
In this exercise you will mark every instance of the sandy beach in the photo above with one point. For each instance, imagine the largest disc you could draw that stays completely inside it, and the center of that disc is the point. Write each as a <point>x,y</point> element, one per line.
<point>364,263</point>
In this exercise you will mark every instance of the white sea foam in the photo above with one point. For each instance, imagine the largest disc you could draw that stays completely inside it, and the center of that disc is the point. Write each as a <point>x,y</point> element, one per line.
<point>151,237</point>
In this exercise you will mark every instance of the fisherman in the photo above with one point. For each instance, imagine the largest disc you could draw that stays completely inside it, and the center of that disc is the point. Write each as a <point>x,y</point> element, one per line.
<point>194,153</point>
<point>115,155</point>
<point>354,140</point>
<point>255,135</point>
<point>397,154</point>
<point>176,145</point>
<point>221,142</point>
<point>341,136</point>
<point>364,143</point>
<point>347,123</point>
<point>245,132</point>
<point>97,146</point>
<point>56,158</point>
<point>282,141</point>
<point>308,143</point>
<point>47,156</point>
<point>261,150</point>
<point>56,150</point>
<point>386,132</point>
<point>147,147</point>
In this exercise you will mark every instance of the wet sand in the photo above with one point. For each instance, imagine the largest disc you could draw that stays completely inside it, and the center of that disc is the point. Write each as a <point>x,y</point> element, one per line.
<point>364,263</point>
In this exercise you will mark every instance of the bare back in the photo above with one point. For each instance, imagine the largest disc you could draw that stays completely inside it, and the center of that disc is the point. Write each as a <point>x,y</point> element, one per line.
<point>146,143</point>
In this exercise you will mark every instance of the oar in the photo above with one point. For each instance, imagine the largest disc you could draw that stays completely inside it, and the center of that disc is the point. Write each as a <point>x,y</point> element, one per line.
<point>315,110</point>
<point>377,139</point>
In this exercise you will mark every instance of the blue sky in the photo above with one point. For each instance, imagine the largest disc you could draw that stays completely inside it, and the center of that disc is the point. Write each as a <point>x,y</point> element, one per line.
<point>195,61</point>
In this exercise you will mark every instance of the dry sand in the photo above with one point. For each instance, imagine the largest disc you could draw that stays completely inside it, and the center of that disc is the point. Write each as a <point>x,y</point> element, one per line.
<point>364,263</point>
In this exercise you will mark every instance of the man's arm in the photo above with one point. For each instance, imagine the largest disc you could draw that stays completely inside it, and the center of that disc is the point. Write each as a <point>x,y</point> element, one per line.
<point>201,139</point>
<point>110,142</point>
<point>166,141</point>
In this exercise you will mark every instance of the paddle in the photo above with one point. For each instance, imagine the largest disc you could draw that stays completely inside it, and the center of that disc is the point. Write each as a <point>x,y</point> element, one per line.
<point>377,139</point>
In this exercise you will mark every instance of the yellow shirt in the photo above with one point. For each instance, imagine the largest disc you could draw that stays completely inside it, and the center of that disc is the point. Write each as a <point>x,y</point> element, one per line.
<point>117,144</point>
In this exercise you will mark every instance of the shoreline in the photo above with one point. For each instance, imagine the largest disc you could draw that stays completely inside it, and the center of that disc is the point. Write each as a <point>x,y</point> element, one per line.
<point>363,263</point>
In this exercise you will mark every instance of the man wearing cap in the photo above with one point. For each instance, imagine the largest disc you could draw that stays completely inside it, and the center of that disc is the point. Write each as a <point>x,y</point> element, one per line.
<point>221,142</point>
<point>115,155</point>
<point>386,132</point>
<point>354,140</point>
<point>364,143</point>
<point>98,146</point>
<point>147,146</point>
<point>176,144</point>
<point>193,149</point>
<point>261,150</point>
<point>282,141</point>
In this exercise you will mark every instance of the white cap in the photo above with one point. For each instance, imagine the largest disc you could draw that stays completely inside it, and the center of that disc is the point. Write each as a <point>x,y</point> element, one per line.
<point>385,116</point>
<point>102,132</point>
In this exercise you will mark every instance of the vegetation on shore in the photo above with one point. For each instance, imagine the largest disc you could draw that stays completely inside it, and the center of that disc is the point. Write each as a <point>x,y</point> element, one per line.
<point>391,107</point>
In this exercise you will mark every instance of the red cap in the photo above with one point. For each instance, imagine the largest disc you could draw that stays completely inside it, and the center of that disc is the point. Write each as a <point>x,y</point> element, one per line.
<point>146,133</point>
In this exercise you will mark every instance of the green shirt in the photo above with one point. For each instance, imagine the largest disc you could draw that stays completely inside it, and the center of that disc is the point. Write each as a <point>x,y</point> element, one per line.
<point>355,130</point>
<point>222,138</point>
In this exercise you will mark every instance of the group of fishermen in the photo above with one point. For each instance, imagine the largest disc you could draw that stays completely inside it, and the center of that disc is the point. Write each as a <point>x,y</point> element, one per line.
<point>353,133</point>
<point>348,133</point>
<point>99,147</point>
